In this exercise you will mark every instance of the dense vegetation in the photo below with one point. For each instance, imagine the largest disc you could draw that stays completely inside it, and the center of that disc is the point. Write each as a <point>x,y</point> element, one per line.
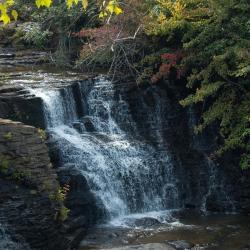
<point>214,37</point>
<point>204,43</point>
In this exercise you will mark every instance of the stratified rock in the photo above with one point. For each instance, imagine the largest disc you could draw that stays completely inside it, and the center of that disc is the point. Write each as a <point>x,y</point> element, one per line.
<point>26,181</point>
<point>17,104</point>
<point>10,57</point>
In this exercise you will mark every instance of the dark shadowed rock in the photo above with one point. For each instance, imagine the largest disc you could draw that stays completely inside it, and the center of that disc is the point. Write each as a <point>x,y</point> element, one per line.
<point>147,222</point>
<point>26,181</point>
<point>180,244</point>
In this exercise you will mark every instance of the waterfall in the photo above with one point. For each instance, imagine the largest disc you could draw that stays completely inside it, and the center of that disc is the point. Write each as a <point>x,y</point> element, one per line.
<point>127,174</point>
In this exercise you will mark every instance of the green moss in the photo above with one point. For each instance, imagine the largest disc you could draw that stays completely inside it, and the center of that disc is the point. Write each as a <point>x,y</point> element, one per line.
<point>63,213</point>
<point>8,136</point>
<point>17,176</point>
<point>58,196</point>
<point>42,134</point>
<point>33,192</point>
<point>4,164</point>
<point>46,185</point>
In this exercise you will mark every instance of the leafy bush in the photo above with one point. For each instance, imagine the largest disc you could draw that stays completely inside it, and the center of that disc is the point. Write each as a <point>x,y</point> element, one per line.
<point>34,35</point>
<point>215,38</point>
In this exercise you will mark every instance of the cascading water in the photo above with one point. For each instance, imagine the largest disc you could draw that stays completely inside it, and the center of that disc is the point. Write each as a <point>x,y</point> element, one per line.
<point>126,174</point>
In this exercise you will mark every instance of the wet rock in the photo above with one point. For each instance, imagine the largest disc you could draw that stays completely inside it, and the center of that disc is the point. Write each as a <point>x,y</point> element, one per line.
<point>10,57</point>
<point>88,124</point>
<point>147,222</point>
<point>26,181</point>
<point>26,154</point>
<point>85,210</point>
<point>180,244</point>
<point>151,246</point>
<point>16,106</point>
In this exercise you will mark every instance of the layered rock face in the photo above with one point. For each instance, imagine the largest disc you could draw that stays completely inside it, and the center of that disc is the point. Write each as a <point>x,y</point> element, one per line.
<point>26,180</point>
<point>17,104</point>
<point>212,186</point>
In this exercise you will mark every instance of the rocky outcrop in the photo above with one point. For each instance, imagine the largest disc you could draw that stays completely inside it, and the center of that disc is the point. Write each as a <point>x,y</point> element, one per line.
<point>28,184</point>
<point>17,104</point>
<point>26,180</point>
<point>11,57</point>
<point>23,152</point>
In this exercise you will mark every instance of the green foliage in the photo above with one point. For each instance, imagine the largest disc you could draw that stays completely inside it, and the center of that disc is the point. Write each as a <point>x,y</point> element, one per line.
<point>215,37</point>
<point>18,176</point>
<point>63,213</point>
<point>8,136</point>
<point>219,56</point>
<point>42,134</point>
<point>37,37</point>
<point>58,196</point>
<point>107,8</point>
<point>172,19</point>
<point>4,164</point>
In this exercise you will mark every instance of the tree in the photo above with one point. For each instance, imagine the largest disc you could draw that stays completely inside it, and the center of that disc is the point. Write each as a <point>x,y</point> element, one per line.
<point>107,9</point>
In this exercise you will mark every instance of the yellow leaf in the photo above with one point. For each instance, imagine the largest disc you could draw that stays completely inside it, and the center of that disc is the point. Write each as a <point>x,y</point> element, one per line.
<point>3,8</point>
<point>10,2</point>
<point>38,3</point>
<point>103,14</point>
<point>45,3</point>
<point>69,4</point>
<point>14,14</point>
<point>113,7</point>
<point>5,18</point>
<point>85,4</point>
<point>110,7</point>
<point>117,10</point>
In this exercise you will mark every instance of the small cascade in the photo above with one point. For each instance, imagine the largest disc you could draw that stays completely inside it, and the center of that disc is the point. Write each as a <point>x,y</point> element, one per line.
<point>59,106</point>
<point>217,190</point>
<point>126,174</point>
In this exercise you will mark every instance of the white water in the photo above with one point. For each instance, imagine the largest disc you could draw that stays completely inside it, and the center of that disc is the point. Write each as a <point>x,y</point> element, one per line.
<point>127,175</point>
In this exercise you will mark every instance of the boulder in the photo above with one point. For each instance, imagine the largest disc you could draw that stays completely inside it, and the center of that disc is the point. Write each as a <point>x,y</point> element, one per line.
<point>180,244</point>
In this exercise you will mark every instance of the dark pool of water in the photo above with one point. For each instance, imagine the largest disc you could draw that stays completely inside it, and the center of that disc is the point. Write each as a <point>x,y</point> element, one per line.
<point>223,232</point>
